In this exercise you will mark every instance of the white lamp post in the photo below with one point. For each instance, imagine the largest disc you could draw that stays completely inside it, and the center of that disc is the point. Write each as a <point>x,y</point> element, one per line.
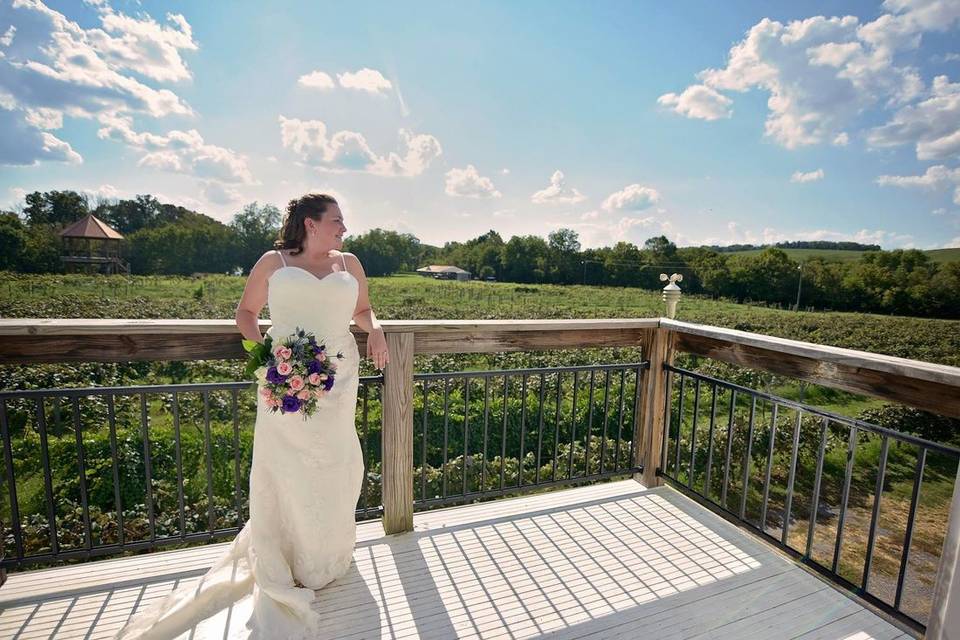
<point>671,292</point>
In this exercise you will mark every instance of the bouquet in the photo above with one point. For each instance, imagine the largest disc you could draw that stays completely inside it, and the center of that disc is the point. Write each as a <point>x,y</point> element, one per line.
<point>292,373</point>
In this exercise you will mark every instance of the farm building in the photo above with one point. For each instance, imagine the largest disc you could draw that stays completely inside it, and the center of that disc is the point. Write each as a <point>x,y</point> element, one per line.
<point>444,272</point>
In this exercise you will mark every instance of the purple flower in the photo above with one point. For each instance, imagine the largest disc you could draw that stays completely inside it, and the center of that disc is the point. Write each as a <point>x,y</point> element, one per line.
<point>291,404</point>
<point>273,377</point>
<point>328,383</point>
<point>314,367</point>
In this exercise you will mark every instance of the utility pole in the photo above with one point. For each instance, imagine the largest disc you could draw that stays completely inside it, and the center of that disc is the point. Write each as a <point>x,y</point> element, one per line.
<point>799,284</point>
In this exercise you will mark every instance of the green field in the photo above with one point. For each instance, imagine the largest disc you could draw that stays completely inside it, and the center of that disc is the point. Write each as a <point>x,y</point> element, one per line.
<point>839,255</point>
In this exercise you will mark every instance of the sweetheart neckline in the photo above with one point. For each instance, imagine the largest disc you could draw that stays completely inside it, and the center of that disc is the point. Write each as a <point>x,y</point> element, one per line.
<point>309,273</point>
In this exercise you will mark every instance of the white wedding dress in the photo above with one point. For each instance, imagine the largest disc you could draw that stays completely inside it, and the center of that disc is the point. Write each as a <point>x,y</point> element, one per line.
<point>305,480</point>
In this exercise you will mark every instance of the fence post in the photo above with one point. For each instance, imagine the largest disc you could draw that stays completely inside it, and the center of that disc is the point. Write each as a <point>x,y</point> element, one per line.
<point>658,348</point>
<point>397,435</point>
<point>945,610</point>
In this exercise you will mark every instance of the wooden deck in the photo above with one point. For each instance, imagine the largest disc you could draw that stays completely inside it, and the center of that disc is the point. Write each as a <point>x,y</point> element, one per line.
<point>606,561</point>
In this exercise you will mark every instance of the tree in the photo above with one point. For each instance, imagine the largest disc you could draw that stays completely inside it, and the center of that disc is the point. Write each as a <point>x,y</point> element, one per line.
<point>13,238</point>
<point>58,208</point>
<point>256,227</point>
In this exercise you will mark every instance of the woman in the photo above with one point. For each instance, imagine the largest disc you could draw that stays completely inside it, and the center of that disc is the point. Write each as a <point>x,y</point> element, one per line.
<point>306,475</point>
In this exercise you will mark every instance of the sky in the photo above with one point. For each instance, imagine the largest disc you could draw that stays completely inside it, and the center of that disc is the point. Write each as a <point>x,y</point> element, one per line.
<point>707,122</point>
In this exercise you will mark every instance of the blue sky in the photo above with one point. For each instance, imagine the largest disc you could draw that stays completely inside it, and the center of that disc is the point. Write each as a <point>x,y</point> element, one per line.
<point>708,122</point>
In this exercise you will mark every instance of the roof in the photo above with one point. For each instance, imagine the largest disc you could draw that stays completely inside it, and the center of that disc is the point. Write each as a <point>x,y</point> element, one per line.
<point>442,268</point>
<point>91,227</point>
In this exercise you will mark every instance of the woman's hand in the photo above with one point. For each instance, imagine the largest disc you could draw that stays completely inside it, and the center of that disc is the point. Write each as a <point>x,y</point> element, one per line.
<point>377,348</point>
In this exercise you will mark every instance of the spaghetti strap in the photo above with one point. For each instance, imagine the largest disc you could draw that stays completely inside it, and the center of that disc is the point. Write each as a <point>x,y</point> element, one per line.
<point>282,259</point>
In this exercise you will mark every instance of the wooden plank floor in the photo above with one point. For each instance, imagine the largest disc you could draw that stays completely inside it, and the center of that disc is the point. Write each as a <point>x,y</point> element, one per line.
<point>606,561</point>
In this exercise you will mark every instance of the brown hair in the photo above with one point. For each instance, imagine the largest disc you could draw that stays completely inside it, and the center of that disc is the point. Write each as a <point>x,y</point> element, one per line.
<point>292,233</point>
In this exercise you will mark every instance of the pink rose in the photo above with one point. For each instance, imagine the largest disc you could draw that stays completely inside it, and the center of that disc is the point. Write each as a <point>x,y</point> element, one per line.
<point>304,394</point>
<point>323,376</point>
<point>314,379</point>
<point>296,383</point>
<point>273,402</point>
<point>290,392</point>
<point>286,353</point>
<point>321,356</point>
<point>265,392</point>
<point>277,350</point>
<point>318,393</point>
<point>284,368</point>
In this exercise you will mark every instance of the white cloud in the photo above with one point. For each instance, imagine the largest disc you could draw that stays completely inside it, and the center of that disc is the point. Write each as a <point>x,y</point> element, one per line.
<point>505,171</point>
<point>935,177</point>
<point>56,68</point>
<point>316,80</point>
<point>821,73</point>
<point>633,197</point>
<point>809,176</point>
<point>698,101</point>
<point>933,124</point>
<point>626,228</point>
<point>349,150</point>
<point>7,38</point>
<point>365,79</point>
<point>468,183</point>
<point>557,192</point>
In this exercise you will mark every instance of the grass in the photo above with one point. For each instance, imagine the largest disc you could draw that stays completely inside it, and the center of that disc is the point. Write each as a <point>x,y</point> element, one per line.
<point>840,255</point>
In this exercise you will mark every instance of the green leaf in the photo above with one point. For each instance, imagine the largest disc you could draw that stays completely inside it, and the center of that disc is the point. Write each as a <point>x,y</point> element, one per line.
<point>248,345</point>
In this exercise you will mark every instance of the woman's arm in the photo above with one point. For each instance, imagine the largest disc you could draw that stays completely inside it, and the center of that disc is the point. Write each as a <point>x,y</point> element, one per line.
<point>364,316</point>
<point>255,296</point>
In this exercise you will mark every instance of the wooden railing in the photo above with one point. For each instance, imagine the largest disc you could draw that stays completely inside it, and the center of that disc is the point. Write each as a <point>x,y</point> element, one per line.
<point>931,387</point>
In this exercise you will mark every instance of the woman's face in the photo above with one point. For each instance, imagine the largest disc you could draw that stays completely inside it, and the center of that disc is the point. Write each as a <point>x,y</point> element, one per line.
<point>329,230</point>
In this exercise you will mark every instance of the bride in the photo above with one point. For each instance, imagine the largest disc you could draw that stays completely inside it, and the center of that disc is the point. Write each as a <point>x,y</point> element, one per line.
<point>306,475</point>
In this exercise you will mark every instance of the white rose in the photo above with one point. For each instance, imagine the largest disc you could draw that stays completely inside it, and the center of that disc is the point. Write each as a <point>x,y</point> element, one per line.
<point>261,374</point>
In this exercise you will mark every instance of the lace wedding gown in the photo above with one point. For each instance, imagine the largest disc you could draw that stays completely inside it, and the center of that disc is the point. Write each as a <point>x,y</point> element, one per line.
<point>304,483</point>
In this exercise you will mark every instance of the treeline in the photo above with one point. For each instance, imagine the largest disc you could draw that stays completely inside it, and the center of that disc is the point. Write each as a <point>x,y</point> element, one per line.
<point>798,244</point>
<point>167,239</point>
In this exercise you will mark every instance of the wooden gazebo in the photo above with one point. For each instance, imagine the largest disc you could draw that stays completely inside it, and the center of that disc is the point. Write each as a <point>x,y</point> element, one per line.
<point>90,245</point>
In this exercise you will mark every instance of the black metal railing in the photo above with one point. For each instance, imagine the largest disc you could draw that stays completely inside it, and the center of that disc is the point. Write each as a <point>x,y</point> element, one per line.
<point>841,495</point>
<point>483,434</point>
<point>81,466</point>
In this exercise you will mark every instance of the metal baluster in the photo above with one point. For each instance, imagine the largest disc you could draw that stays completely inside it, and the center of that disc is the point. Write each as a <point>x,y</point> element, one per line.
<point>573,423</point>
<point>175,408</point>
<point>588,436</point>
<point>791,476</point>
<point>446,429</point>
<point>365,449</point>
<point>851,452</point>
<point>676,465</point>
<point>875,513</point>
<point>82,469</point>
<point>556,430</point>
<point>634,445</point>
<point>235,410</point>
<point>710,437</point>
<point>540,425</point>
<point>486,424</point>
<point>726,465</point>
<point>623,373</point>
<point>747,458</point>
<point>47,479</point>
<point>693,434</point>
<point>503,434</point>
<point>11,480</point>
<point>815,497</point>
<point>668,412</point>
<point>523,428</point>
<point>908,535</point>
<point>118,502</point>
<point>766,479</point>
<point>423,452</point>
<point>606,415</point>
<point>211,518</point>
<point>466,430</point>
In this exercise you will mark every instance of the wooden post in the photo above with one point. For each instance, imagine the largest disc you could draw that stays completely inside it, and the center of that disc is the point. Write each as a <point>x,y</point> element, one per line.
<point>945,610</point>
<point>398,434</point>
<point>659,350</point>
